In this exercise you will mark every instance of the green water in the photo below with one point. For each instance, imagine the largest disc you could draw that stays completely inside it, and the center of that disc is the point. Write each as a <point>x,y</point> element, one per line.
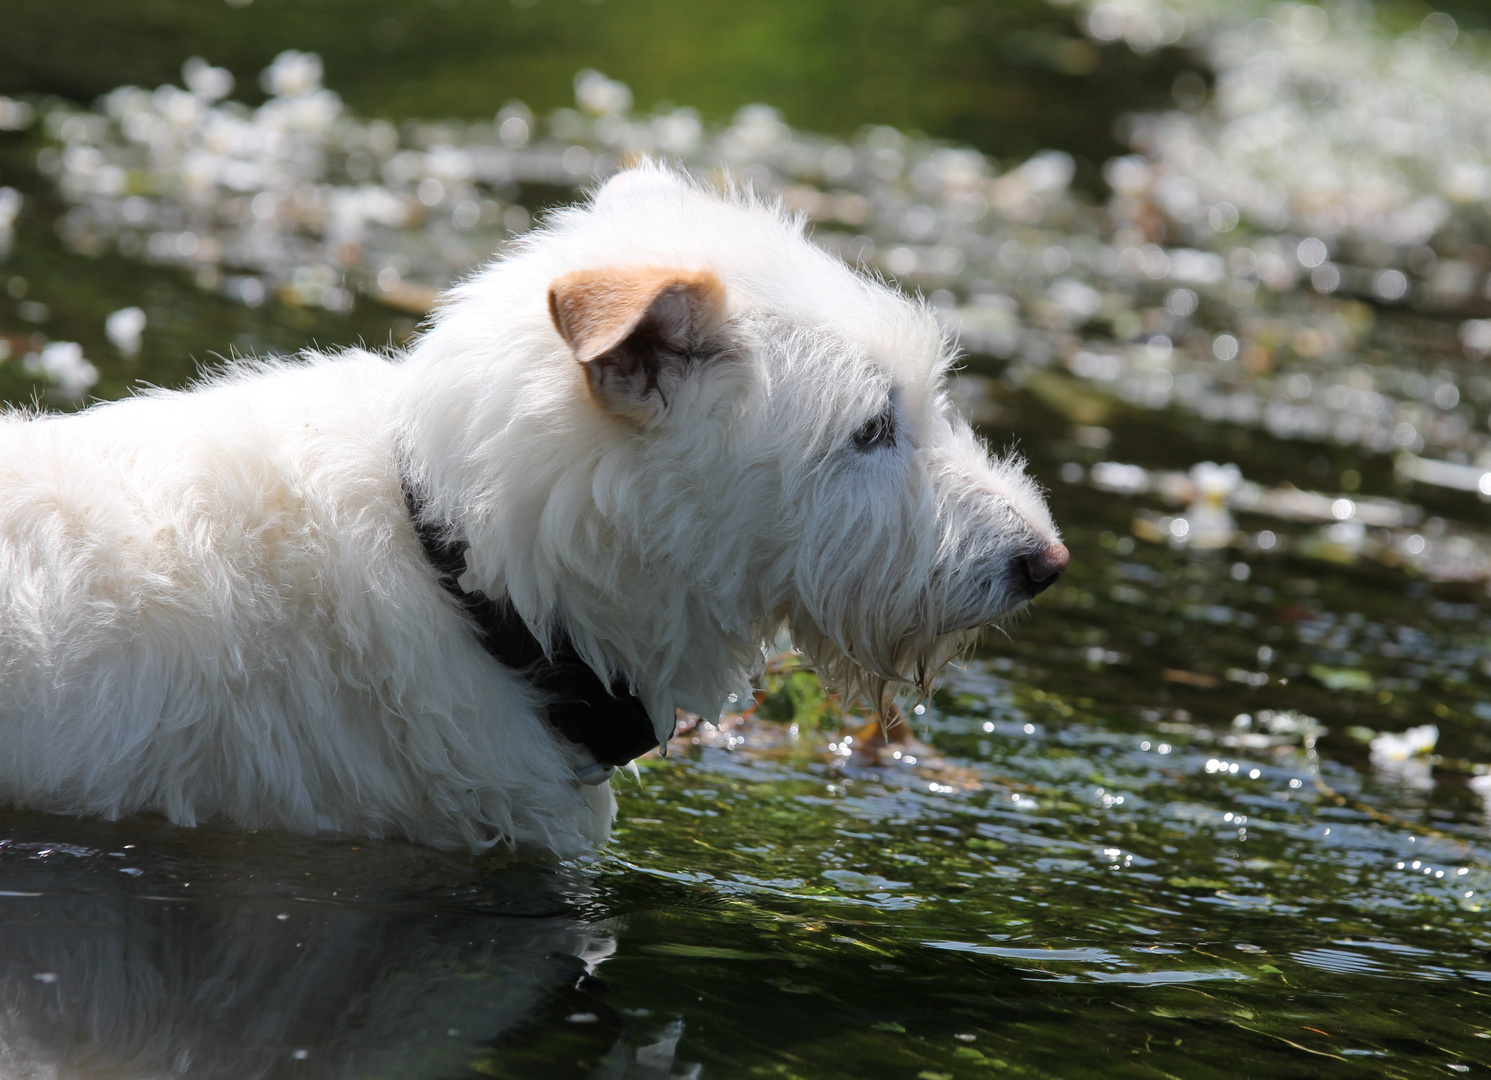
<point>1072,880</point>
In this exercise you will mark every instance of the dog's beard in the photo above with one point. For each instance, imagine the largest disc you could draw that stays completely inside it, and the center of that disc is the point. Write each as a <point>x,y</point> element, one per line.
<point>889,636</point>
<point>881,675</point>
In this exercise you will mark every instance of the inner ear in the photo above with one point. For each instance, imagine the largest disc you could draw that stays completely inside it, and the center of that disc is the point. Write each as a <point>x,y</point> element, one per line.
<point>634,328</point>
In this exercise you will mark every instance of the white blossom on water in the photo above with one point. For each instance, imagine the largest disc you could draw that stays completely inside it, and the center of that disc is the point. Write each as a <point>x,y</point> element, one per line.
<point>125,329</point>
<point>61,363</point>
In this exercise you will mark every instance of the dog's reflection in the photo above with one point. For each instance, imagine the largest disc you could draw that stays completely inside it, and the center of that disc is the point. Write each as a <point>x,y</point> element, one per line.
<point>197,954</point>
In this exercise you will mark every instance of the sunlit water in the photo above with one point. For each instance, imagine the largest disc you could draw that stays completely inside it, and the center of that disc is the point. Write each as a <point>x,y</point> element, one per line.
<point>1171,825</point>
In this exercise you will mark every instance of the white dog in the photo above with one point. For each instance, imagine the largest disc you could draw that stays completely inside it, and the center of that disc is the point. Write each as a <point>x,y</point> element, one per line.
<point>396,596</point>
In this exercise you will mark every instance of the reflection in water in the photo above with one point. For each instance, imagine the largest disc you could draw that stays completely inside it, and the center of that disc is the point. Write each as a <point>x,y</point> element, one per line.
<point>180,955</point>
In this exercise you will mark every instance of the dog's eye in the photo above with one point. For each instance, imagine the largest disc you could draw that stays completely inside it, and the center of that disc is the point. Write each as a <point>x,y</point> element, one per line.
<point>878,431</point>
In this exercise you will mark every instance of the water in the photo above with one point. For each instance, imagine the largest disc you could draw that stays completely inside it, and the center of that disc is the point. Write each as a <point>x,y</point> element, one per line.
<point>1171,824</point>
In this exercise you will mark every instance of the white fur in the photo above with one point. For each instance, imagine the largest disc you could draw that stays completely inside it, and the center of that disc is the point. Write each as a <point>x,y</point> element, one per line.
<point>213,602</point>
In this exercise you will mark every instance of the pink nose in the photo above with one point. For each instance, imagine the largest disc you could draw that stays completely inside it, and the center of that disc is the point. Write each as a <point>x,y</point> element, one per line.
<point>1045,566</point>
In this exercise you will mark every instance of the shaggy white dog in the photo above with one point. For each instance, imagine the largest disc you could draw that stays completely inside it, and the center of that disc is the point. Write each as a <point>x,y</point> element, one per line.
<point>660,430</point>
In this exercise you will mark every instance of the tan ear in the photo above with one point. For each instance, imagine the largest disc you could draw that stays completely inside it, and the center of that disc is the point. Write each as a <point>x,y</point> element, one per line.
<point>636,329</point>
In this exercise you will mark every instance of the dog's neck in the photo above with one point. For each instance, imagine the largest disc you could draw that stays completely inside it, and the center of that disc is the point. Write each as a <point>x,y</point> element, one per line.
<point>550,497</point>
<point>609,726</point>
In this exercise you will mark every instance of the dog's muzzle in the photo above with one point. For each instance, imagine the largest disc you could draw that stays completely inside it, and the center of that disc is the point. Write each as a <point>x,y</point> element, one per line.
<point>589,771</point>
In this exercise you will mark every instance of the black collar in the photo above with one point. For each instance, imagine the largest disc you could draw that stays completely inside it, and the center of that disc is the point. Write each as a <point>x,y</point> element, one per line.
<point>610,722</point>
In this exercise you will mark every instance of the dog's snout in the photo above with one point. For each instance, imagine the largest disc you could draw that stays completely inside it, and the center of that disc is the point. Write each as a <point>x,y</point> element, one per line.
<point>1043,567</point>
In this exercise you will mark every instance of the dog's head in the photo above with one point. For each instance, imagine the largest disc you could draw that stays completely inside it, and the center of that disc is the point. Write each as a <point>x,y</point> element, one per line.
<point>722,429</point>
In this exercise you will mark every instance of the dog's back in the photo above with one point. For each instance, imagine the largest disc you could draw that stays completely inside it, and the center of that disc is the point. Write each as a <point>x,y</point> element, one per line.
<point>212,602</point>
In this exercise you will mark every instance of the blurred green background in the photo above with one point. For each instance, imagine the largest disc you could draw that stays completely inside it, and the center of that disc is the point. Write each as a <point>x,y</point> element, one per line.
<point>1010,77</point>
